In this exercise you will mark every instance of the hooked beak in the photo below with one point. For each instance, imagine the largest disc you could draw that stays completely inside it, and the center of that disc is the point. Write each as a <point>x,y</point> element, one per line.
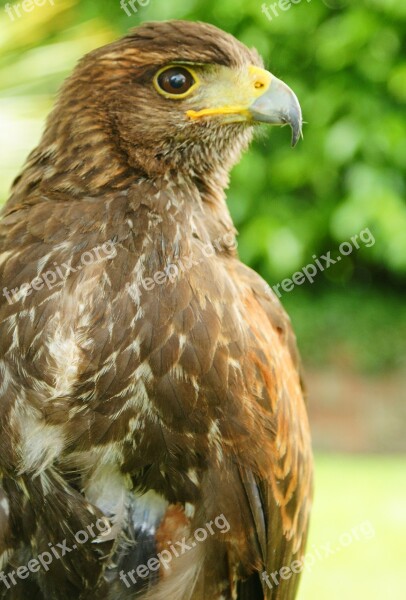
<point>278,105</point>
<point>255,96</point>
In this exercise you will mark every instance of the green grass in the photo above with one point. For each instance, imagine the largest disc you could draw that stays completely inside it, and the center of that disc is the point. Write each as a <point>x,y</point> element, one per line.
<point>351,490</point>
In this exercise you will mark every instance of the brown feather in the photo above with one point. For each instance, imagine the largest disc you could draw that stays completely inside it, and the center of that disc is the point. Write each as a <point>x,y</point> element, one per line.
<point>123,396</point>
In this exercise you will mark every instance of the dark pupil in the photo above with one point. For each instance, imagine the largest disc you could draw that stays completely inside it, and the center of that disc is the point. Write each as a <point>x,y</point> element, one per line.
<point>177,81</point>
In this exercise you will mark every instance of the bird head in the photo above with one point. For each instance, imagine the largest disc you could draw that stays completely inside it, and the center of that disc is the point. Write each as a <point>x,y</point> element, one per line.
<point>174,95</point>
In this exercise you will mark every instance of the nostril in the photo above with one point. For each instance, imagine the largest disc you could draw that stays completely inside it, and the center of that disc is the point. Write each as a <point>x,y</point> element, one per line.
<point>259,85</point>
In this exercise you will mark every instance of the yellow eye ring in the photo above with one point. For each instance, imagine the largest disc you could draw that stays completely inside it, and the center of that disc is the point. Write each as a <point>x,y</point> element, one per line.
<point>177,77</point>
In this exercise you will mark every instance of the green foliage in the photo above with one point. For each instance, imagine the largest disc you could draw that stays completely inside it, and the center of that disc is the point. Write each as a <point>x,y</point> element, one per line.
<point>358,328</point>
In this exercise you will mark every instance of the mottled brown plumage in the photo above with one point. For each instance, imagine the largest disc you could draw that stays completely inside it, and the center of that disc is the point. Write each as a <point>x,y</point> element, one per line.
<point>159,402</point>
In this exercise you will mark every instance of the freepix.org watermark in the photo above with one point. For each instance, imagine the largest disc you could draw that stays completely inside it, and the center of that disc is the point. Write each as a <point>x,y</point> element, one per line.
<point>57,275</point>
<point>130,6</point>
<point>274,10</point>
<point>16,10</point>
<point>362,531</point>
<point>323,262</point>
<point>43,560</point>
<point>175,550</point>
<point>173,270</point>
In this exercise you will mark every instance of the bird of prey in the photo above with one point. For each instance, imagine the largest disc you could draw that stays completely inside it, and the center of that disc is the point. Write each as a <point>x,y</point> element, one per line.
<point>154,437</point>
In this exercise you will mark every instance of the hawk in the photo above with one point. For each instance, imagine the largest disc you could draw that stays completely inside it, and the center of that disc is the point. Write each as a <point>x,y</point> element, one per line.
<point>154,441</point>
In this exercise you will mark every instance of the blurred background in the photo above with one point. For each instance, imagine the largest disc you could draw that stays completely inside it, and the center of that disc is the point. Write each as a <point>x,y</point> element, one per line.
<point>347,63</point>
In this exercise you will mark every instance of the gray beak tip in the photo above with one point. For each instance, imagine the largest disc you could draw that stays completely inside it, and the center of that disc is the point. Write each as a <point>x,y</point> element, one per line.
<point>279,106</point>
<point>296,132</point>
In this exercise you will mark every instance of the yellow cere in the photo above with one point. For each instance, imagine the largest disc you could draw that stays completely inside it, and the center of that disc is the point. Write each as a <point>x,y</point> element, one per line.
<point>236,90</point>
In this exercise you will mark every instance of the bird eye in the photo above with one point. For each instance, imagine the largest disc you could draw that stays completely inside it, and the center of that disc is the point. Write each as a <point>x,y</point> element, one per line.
<point>175,81</point>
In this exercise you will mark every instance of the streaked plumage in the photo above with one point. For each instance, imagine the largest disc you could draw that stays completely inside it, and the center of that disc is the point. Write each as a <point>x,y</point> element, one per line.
<point>157,405</point>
